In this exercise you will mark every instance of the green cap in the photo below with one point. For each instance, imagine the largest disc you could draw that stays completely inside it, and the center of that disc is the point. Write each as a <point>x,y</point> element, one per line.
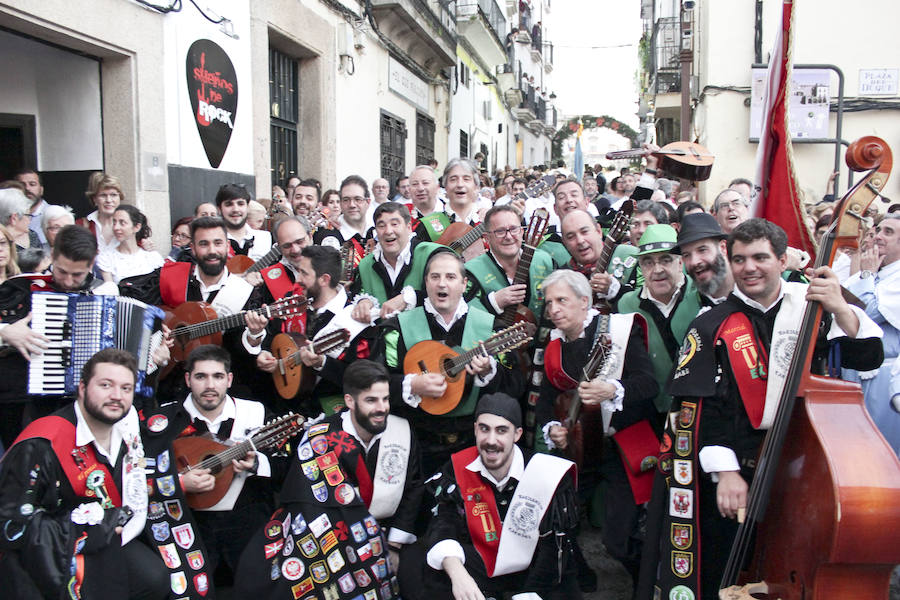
<point>657,238</point>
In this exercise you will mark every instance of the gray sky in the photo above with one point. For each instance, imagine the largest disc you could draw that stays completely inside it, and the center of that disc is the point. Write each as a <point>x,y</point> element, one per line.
<point>589,80</point>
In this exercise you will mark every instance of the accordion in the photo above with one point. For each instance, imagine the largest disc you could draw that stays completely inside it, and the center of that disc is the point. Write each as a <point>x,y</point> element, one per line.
<point>78,326</point>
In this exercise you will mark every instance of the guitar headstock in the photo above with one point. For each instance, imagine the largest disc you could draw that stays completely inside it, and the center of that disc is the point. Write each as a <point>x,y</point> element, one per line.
<point>512,337</point>
<point>537,226</point>
<point>278,430</point>
<point>537,187</point>
<point>288,307</point>
<point>332,340</point>
<point>621,221</point>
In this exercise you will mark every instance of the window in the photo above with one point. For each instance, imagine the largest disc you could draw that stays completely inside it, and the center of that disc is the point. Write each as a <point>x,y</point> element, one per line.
<point>424,139</point>
<point>283,115</point>
<point>393,146</point>
<point>463,144</point>
<point>465,75</point>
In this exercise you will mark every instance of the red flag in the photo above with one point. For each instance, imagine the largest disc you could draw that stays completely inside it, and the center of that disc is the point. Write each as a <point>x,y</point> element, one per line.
<point>776,197</point>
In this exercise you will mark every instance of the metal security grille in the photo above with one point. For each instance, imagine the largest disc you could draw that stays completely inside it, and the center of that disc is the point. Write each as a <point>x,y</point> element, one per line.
<point>393,146</point>
<point>283,115</point>
<point>424,139</point>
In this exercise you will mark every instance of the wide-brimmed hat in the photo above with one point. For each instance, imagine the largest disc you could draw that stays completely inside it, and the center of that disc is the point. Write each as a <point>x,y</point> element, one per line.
<point>697,226</point>
<point>657,238</point>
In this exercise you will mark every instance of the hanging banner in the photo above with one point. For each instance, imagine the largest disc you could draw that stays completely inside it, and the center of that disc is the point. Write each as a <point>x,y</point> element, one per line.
<point>213,91</point>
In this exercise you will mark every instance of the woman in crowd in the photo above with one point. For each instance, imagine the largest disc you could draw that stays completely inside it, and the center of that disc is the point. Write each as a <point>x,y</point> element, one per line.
<point>128,258</point>
<point>53,219</point>
<point>15,215</point>
<point>330,207</point>
<point>105,193</point>
<point>181,240</point>
<point>8,260</point>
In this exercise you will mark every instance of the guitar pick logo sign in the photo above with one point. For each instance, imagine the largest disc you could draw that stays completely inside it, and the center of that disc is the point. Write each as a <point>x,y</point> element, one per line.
<point>213,90</point>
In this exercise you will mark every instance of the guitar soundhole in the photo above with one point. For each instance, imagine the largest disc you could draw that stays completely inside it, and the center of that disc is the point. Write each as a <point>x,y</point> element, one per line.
<point>447,368</point>
<point>216,467</point>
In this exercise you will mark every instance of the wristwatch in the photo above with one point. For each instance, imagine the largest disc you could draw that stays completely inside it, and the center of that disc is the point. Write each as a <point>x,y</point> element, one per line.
<point>865,274</point>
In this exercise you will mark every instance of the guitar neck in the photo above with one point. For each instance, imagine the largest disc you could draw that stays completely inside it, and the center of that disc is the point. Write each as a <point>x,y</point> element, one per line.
<point>264,439</point>
<point>268,260</point>
<point>219,325</point>
<point>496,343</point>
<point>472,236</point>
<point>521,276</point>
<point>609,246</point>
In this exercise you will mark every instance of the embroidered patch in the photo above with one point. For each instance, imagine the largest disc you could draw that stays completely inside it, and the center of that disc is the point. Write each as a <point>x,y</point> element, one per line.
<point>362,578</point>
<point>162,462</point>
<point>358,531</point>
<point>299,525</point>
<point>346,584</point>
<point>273,548</point>
<point>335,561</point>
<point>683,471</point>
<point>173,509</point>
<point>160,531</point>
<point>680,592</point>
<point>157,423</point>
<point>683,442</point>
<point>682,563</point>
<point>275,273</point>
<point>201,583</point>
<point>681,503</point>
<point>273,530</point>
<point>320,525</point>
<point>305,451</point>
<point>328,541</point>
<point>155,510</point>
<point>195,560</point>
<point>178,582</point>
<point>371,525</point>
<point>166,485</point>
<point>288,546</point>
<point>682,535</point>
<point>301,588</point>
<point>317,429</point>
<point>293,569</point>
<point>376,546</point>
<point>170,556</point>
<point>184,535</point>
<point>333,475</point>
<point>319,445</point>
<point>344,493</point>
<point>687,413</point>
<point>320,492</point>
<point>319,571</point>
<point>308,546</point>
<point>310,469</point>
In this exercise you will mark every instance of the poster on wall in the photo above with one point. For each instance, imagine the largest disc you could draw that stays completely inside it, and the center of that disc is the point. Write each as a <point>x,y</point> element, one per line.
<point>809,103</point>
<point>213,91</point>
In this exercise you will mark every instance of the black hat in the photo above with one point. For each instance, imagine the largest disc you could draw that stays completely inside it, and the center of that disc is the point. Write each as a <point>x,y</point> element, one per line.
<point>697,226</point>
<point>502,405</point>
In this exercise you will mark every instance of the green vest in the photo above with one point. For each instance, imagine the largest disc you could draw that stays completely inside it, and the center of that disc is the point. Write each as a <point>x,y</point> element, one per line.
<point>492,279</point>
<point>479,325</point>
<point>679,321</point>
<point>623,263</point>
<point>373,284</point>
<point>557,250</point>
<point>435,223</point>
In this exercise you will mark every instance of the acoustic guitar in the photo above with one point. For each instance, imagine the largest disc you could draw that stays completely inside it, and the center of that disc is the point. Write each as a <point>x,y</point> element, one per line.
<point>241,265</point>
<point>462,237</point>
<point>614,237</point>
<point>350,257</point>
<point>568,406</point>
<point>685,160</point>
<point>194,324</point>
<point>430,356</point>
<point>290,373</point>
<point>537,226</point>
<point>201,452</point>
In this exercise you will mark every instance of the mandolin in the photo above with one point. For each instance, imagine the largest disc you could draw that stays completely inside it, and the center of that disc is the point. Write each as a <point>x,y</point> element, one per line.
<point>568,405</point>
<point>241,265</point>
<point>350,257</point>
<point>194,324</point>
<point>201,452</point>
<point>462,238</point>
<point>685,160</point>
<point>290,374</point>
<point>434,357</point>
<point>614,237</point>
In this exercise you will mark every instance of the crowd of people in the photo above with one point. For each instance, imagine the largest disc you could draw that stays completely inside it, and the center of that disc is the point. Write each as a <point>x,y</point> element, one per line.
<point>482,367</point>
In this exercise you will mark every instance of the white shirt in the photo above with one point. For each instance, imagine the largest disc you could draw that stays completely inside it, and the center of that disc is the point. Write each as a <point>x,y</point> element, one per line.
<point>102,245</point>
<point>84,436</point>
<point>262,242</point>
<point>229,411</point>
<point>206,290</point>
<point>403,259</point>
<point>121,265</point>
<point>543,201</point>
<point>667,307</point>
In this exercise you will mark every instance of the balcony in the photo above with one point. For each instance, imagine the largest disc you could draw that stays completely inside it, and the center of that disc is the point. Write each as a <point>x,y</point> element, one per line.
<point>550,122</point>
<point>483,24</point>
<point>548,57</point>
<point>425,29</point>
<point>537,45</point>
<point>526,111</point>
<point>508,84</point>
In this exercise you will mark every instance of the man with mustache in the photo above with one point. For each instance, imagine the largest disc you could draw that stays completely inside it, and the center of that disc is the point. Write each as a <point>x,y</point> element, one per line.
<point>667,300</point>
<point>232,201</point>
<point>701,245</point>
<point>354,223</point>
<point>208,410</point>
<point>350,500</point>
<point>207,280</point>
<point>74,500</point>
<point>505,519</point>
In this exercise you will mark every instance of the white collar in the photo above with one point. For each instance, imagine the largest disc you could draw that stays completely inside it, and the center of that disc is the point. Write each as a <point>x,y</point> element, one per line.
<point>438,207</point>
<point>289,266</point>
<point>753,303</point>
<point>461,309</point>
<point>336,304</point>
<point>347,230</point>
<point>515,469</point>
<point>248,234</point>
<point>204,289</point>
<point>84,436</point>
<point>349,427</point>
<point>228,412</point>
<point>557,334</point>
<point>402,259</point>
<point>664,307</point>
<point>472,217</point>
<point>888,271</point>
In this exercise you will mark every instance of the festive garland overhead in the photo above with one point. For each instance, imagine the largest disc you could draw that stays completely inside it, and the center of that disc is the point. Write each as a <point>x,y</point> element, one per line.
<point>589,121</point>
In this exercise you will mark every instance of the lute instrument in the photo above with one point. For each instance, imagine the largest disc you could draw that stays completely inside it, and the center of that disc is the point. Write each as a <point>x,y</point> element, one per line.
<point>195,324</point>
<point>201,452</point>
<point>617,231</point>
<point>462,237</point>
<point>430,356</point>
<point>290,373</point>
<point>240,264</point>
<point>685,160</point>
<point>824,505</point>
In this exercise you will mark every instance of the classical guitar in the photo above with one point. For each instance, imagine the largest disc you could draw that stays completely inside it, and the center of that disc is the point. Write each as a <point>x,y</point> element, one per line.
<point>201,452</point>
<point>194,324</point>
<point>568,406</point>
<point>685,160</point>
<point>537,226</point>
<point>614,237</point>
<point>241,265</point>
<point>434,357</point>
<point>466,240</point>
<point>290,374</point>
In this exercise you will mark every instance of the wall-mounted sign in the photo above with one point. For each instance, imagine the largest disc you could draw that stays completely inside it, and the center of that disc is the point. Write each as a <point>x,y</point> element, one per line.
<point>213,90</point>
<point>404,83</point>
<point>808,103</point>
<point>878,82</point>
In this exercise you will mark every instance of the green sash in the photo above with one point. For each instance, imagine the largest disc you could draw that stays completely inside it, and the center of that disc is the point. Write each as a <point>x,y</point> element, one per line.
<point>488,273</point>
<point>679,321</point>
<point>373,284</point>
<point>556,249</point>
<point>479,325</point>
<point>435,223</point>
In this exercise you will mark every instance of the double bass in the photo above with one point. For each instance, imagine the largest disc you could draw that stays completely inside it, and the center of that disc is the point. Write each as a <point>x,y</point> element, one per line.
<point>824,506</point>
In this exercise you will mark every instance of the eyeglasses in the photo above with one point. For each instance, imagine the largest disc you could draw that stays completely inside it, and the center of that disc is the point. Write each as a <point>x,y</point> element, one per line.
<point>354,200</point>
<point>648,263</point>
<point>510,231</point>
<point>181,236</point>
<point>732,205</point>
